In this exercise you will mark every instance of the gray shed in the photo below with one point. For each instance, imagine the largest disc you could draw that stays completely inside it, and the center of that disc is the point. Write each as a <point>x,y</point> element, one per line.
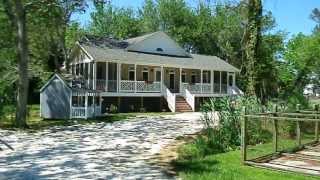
<point>60,100</point>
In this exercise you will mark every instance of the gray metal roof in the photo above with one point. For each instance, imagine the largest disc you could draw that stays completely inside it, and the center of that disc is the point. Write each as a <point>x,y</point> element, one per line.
<point>122,56</point>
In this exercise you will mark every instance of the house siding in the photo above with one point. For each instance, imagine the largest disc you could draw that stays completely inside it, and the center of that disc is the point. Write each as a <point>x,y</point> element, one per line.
<point>55,100</point>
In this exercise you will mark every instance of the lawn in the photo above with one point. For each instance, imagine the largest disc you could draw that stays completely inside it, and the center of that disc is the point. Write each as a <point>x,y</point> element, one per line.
<point>35,122</point>
<point>228,166</point>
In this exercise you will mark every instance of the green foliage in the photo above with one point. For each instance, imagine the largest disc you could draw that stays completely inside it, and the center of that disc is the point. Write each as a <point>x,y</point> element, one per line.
<point>115,22</point>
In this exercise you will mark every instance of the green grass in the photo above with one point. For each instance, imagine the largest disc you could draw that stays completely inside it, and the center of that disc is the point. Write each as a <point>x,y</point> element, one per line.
<point>35,122</point>
<point>191,165</point>
<point>284,144</point>
<point>227,166</point>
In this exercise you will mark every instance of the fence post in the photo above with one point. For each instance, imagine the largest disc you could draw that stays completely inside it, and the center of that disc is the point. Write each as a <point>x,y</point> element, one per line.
<point>275,132</point>
<point>316,108</point>
<point>298,127</point>
<point>244,135</point>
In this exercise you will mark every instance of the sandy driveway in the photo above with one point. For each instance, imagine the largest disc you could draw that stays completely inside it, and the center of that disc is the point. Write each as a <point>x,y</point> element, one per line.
<point>120,150</point>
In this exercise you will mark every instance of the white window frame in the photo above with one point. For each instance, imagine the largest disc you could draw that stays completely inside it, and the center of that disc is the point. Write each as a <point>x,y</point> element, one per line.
<point>131,69</point>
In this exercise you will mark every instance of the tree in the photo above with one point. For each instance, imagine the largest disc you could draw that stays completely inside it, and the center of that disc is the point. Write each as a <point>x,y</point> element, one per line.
<point>115,22</point>
<point>16,11</point>
<point>252,40</point>
<point>149,16</point>
<point>315,15</point>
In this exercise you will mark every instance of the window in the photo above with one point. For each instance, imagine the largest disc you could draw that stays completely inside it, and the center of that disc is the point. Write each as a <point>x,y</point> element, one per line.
<point>131,76</point>
<point>159,49</point>
<point>206,76</point>
<point>145,74</point>
<point>183,77</point>
<point>131,73</point>
<point>158,76</point>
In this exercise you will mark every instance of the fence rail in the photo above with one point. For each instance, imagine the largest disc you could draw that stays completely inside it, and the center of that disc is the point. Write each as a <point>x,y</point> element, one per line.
<point>298,117</point>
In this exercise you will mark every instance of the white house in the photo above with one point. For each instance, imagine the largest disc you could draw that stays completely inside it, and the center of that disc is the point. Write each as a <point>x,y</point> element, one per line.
<point>150,73</point>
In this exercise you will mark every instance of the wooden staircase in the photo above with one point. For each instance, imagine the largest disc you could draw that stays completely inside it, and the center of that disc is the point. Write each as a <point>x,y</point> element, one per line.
<point>182,105</point>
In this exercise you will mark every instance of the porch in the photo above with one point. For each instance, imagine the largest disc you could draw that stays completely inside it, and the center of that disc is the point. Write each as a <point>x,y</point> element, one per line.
<point>133,78</point>
<point>85,104</point>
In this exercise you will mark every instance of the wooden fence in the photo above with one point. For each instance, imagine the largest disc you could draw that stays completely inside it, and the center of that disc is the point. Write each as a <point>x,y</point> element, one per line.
<point>298,116</point>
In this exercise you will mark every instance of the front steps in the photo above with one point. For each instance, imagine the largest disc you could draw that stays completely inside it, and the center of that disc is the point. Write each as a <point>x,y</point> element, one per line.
<point>182,105</point>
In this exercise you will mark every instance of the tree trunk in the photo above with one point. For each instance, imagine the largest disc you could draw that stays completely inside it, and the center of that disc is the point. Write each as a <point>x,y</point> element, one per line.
<point>253,33</point>
<point>22,51</point>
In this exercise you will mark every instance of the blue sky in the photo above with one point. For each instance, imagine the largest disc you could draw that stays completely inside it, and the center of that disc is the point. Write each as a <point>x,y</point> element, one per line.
<point>291,16</point>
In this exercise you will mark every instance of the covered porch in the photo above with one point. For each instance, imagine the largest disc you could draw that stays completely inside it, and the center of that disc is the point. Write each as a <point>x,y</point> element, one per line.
<point>136,78</point>
<point>85,104</point>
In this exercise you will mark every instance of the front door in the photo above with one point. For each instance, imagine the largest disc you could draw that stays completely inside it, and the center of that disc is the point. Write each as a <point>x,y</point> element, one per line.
<point>171,85</point>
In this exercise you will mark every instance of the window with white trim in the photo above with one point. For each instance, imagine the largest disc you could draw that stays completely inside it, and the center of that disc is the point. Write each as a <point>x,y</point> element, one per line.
<point>131,73</point>
<point>145,74</point>
<point>183,76</point>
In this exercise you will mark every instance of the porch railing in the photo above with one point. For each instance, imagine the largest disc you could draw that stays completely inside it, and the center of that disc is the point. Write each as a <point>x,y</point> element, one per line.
<point>143,86</point>
<point>170,97</point>
<point>139,86</point>
<point>189,98</point>
<point>78,112</point>
<point>127,86</point>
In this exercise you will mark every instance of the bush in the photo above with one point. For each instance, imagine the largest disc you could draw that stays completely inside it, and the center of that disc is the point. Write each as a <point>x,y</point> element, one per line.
<point>222,116</point>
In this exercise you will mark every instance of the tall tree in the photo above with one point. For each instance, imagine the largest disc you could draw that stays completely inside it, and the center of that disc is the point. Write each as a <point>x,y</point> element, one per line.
<point>16,12</point>
<point>315,15</point>
<point>252,40</point>
<point>149,16</point>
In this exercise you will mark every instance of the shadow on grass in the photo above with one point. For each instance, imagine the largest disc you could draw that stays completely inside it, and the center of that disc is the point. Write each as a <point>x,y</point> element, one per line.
<point>39,124</point>
<point>202,165</point>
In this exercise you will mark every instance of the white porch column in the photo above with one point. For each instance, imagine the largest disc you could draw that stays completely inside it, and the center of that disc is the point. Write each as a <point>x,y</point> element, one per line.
<point>89,75</point>
<point>94,103</point>
<point>201,79</point>
<point>86,104</point>
<point>180,84</point>
<point>118,76</point>
<point>94,75</point>
<point>212,79</point>
<point>161,79</point>
<point>234,80</point>
<point>220,82</point>
<point>135,77</point>
<point>107,73</point>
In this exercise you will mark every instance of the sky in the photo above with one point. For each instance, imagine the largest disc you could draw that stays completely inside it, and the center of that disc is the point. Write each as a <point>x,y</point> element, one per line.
<point>292,16</point>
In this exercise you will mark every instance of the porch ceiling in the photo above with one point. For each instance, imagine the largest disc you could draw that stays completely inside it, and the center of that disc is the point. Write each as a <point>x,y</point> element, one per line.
<point>195,62</point>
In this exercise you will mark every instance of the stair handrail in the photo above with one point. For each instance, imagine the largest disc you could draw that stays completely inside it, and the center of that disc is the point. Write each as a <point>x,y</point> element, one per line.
<point>189,97</point>
<point>170,97</point>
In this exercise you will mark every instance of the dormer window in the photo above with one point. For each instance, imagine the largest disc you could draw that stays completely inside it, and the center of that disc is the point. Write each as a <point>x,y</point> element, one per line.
<point>159,49</point>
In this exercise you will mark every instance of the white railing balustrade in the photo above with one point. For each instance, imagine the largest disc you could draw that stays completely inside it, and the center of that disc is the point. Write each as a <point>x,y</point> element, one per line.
<point>189,98</point>
<point>216,88</point>
<point>170,97</point>
<point>143,86</point>
<point>78,112</point>
<point>112,85</point>
<point>206,88</point>
<point>194,88</point>
<point>101,84</point>
<point>127,86</point>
